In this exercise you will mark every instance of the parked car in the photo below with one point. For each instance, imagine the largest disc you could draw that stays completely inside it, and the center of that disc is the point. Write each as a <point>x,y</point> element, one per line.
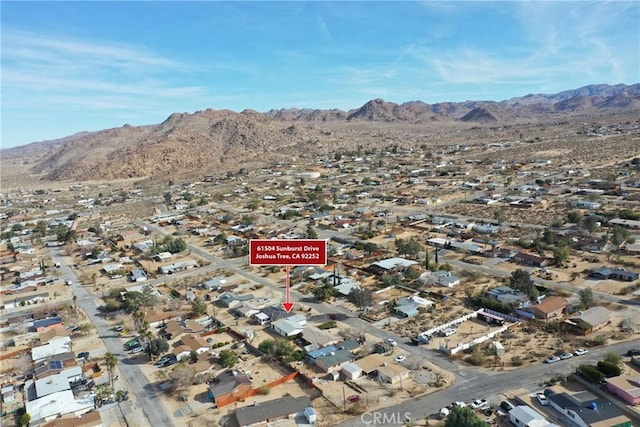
<point>565,356</point>
<point>83,355</point>
<point>506,406</point>
<point>552,359</point>
<point>391,342</point>
<point>479,404</point>
<point>353,398</point>
<point>444,412</point>
<point>581,351</point>
<point>118,328</point>
<point>633,352</point>
<point>542,399</point>
<point>137,349</point>
<point>400,358</point>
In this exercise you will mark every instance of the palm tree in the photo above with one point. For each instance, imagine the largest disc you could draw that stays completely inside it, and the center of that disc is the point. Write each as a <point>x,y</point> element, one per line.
<point>111,360</point>
<point>138,320</point>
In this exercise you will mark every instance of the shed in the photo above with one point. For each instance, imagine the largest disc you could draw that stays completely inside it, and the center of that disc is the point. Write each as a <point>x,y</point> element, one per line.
<point>351,371</point>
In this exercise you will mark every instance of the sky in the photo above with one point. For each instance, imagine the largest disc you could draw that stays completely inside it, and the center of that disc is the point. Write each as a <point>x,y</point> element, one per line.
<point>78,66</point>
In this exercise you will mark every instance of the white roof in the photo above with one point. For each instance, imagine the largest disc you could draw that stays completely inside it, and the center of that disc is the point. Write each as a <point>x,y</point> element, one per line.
<point>390,263</point>
<point>51,384</point>
<point>57,345</point>
<point>352,368</point>
<point>56,404</point>
<point>525,414</point>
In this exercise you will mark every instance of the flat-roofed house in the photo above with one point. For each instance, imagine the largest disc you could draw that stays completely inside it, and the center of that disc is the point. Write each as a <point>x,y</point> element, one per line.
<point>626,387</point>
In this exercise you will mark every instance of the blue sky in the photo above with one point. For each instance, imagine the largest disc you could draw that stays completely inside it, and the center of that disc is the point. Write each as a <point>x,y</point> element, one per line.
<point>75,66</point>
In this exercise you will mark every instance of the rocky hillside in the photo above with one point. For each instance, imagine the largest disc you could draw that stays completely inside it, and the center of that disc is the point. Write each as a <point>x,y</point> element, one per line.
<point>213,141</point>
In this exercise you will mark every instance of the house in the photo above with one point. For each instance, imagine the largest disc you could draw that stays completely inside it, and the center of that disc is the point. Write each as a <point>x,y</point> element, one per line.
<point>632,248</point>
<point>8,394</point>
<point>227,386</point>
<point>214,283</point>
<point>46,324</point>
<point>585,409</point>
<point>378,367</point>
<point>273,313</point>
<point>548,308</point>
<point>625,387</point>
<point>290,326</point>
<point>16,302</point>
<point>182,352</point>
<point>332,357</point>
<point>408,307</point>
<point>446,279</point>
<point>195,343</point>
<point>157,318</point>
<point>318,338</point>
<point>606,273</point>
<point>138,275</point>
<point>625,223</point>
<point>231,300</point>
<point>178,266</point>
<point>587,204</point>
<point>588,321</point>
<point>162,256</point>
<point>89,419</point>
<point>58,404</point>
<point>530,260</point>
<point>594,245</point>
<point>526,416</point>
<point>507,295</point>
<point>54,383</point>
<point>390,265</point>
<point>271,411</point>
<point>54,346</point>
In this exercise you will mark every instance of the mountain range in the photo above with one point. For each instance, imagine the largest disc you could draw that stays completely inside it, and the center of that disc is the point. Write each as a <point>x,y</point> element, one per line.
<point>213,141</point>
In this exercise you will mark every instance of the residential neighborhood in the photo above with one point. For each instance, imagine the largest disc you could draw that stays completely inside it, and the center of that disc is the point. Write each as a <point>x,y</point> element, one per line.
<point>108,316</point>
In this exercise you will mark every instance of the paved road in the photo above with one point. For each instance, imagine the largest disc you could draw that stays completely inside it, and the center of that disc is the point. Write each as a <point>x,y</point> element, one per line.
<point>149,410</point>
<point>488,386</point>
<point>469,383</point>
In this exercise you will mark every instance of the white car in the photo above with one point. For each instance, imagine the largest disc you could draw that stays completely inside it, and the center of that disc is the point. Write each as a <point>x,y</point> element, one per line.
<point>400,358</point>
<point>479,404</point>
<point>581,351</point>
<point>391,342</point>
<point>542,399</point>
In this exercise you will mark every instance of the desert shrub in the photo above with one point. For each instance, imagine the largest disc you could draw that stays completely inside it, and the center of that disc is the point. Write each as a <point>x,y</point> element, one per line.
<point>609,369</point>
<point>591,374</point>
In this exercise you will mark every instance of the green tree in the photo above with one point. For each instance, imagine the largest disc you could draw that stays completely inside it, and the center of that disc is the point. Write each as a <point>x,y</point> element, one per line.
<point>324,292</point>
<point>280,349</point>
<point>198,306</point>
<point>311,233</point>
<point>464,417</point>
<point>614,358</point>
<point>360,297</point>
<point>111,361</point>
<point>193,356</point>
<point>174,245</point>
<point>407,247</point>
<point>391,279</point>
<point>369,248</point>
<point>560,254</point>
<point>618,235</point>
<point>521,280</point>
<point>25,419</point>
<point>228,358</point>
<point>157,346</point>
<point>253,204</point>
<point>574,217</point>
<point>590,224</point>
<point>586,297</point>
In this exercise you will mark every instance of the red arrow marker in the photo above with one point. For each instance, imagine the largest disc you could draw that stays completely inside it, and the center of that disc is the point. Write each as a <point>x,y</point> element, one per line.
<point>288,305</point>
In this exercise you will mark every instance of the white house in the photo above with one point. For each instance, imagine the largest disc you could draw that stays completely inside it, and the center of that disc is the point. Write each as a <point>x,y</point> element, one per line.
<point>55,346</point>
<point>290,326</point>
<point>58,404</point>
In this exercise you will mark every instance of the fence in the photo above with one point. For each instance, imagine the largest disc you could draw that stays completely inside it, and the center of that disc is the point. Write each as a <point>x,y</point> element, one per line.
<point>461,347</point>
<point>252,392</point>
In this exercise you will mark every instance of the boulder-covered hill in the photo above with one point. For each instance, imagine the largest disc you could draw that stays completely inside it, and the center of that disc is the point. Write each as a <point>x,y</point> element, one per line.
<point>214,141</point>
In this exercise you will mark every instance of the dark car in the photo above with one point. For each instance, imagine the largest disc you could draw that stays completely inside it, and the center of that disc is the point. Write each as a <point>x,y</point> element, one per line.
<point>83,355</point>
<point>506,406</point>
<point>633,352</point>
<point>353,399</point>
